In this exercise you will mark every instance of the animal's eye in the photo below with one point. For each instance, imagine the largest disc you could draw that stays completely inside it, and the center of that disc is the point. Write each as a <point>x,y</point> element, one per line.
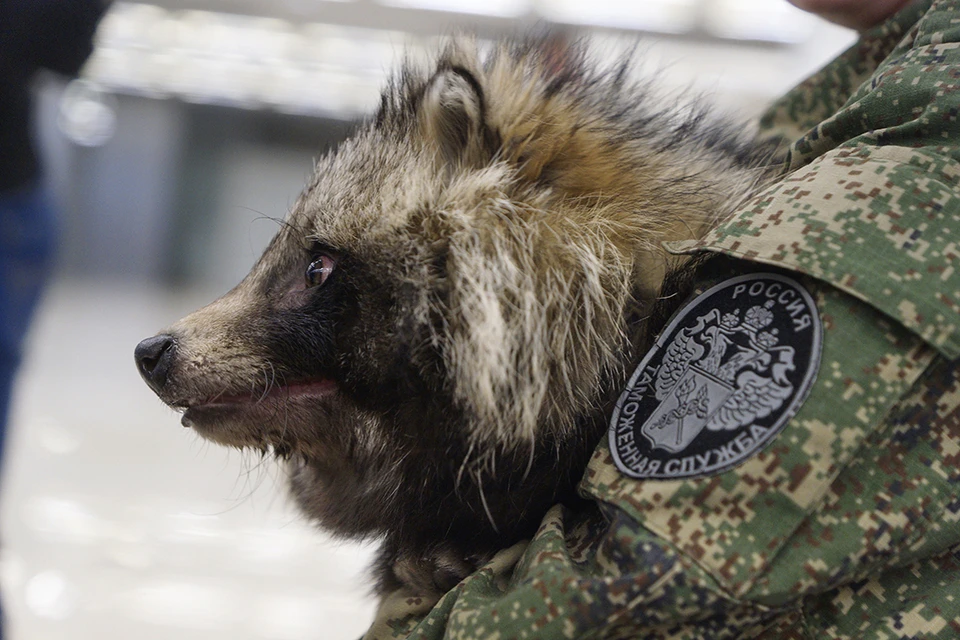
<point>319,270</point>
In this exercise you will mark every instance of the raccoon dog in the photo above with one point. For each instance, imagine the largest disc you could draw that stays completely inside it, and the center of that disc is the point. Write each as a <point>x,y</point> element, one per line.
<point>433,341</point>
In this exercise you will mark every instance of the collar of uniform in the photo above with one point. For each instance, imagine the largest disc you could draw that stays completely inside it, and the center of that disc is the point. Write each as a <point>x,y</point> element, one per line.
<point>880,223</point>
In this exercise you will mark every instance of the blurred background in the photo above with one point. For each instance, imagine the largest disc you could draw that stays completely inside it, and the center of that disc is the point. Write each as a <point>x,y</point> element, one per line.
<point>190,131</point>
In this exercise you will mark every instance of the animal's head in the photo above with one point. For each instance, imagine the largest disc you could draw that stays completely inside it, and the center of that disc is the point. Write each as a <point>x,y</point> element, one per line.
<point>460,274</point>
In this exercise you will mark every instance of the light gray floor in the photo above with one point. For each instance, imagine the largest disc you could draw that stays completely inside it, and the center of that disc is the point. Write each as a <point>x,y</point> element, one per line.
<point>119,523</point>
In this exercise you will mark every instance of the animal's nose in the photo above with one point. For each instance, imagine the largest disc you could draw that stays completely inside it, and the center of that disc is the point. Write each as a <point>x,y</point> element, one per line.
<point>154,357</point>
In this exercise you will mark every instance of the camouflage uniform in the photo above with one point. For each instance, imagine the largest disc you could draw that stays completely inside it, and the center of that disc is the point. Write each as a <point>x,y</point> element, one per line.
<point>848,524</point>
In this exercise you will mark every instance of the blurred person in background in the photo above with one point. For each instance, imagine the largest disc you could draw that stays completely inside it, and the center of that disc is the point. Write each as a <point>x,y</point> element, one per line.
<point>35,35</point>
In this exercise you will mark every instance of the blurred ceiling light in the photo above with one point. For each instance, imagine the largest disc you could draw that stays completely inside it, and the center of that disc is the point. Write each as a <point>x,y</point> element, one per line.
<point>663,16</point>
<point>216,81</point>
<point>50,595</point>
<point>501,8</point>
<point>87,116</point>
<point>109,67</point>
<point>224,35</point>
<point>129,24</point>
<point>336,70</point>
<point>759,20</point>
<point>350,48</point>
<point>337,93</point>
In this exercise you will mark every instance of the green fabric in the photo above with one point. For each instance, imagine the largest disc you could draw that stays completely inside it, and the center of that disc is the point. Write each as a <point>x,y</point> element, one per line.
<point>848,524</point>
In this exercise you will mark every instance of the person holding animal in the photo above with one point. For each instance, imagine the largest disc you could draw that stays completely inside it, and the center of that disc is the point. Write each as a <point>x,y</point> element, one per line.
<point>480,335</point>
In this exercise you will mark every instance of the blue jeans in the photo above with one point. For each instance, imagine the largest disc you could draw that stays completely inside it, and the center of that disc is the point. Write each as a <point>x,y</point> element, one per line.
<point>26,249</point>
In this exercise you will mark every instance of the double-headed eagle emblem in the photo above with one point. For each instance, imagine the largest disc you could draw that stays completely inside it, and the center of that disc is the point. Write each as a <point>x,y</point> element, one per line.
<point>720,374</point>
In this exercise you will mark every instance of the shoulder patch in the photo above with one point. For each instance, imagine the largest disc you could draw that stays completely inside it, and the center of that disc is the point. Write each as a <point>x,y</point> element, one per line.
<point>725,376</point>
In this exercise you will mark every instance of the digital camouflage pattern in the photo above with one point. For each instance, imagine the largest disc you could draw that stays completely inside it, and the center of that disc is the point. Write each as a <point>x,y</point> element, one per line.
<point>848,524</point>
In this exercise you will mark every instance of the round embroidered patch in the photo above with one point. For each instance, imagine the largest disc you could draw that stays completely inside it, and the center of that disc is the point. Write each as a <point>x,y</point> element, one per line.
<point>725,376</point>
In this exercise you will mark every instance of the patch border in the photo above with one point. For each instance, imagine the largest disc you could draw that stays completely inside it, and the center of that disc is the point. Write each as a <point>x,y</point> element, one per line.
<point>803,391</point>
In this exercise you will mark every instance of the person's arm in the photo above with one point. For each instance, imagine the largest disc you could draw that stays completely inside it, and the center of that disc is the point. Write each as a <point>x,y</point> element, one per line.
<point>855,14</point>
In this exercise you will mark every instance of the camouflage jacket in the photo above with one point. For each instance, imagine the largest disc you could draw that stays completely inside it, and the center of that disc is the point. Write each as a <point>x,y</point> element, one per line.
<point>847,525</point>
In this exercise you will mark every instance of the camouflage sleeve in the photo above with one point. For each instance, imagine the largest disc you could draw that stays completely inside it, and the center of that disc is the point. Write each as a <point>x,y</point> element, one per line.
<point>845,528</point>
<point>848,524</point>
<point>869,203</point>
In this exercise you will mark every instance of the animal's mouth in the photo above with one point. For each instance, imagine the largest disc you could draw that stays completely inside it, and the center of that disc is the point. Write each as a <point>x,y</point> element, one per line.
<point>223,404</point>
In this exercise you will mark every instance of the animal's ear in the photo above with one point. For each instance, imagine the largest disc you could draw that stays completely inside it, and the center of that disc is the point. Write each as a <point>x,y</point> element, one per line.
<point>545,136</point>
<point>453,115</point>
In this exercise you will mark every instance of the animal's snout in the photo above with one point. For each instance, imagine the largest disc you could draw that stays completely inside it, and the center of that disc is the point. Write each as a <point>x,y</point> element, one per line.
<point>154,358</point>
